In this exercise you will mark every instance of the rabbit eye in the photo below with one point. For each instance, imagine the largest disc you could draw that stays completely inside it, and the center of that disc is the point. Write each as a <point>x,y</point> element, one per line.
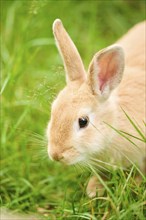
<point>83,122</point>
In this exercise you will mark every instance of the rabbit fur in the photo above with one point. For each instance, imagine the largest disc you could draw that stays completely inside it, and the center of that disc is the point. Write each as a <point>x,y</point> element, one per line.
<point>113,87</point>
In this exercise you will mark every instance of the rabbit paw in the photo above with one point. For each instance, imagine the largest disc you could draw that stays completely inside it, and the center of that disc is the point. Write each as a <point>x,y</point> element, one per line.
<point>94,187</point>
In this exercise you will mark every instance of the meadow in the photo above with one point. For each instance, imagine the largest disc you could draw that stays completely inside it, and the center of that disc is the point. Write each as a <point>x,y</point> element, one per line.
<point>32,74</point>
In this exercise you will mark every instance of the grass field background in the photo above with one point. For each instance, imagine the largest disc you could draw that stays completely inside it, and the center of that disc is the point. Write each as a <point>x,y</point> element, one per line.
<point>31,75</point>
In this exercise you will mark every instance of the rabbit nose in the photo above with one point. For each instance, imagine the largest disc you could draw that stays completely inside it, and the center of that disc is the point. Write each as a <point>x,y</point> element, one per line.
<point>56,156</point>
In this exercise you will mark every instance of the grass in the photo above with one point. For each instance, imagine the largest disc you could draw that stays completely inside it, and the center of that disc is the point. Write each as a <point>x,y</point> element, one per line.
<point>32,75</point>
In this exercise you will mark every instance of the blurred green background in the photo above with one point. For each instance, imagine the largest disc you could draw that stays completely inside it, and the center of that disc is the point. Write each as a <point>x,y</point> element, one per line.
<point>31,75</point>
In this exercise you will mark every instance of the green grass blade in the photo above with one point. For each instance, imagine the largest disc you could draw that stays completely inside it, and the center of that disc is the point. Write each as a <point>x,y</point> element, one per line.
<point>121,133</point>
<point>135,126</point>
<point>21,118</point>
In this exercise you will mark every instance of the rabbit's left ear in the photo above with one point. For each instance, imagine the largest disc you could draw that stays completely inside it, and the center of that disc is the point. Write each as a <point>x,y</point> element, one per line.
<point>72,61</point>
<point>106,70</point>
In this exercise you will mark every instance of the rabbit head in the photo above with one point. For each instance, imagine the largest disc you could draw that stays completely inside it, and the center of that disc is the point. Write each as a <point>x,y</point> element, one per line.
<point>77,128</point>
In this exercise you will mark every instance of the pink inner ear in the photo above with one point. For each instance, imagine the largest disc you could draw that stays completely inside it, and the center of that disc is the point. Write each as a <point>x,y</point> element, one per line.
<point>108,67</point>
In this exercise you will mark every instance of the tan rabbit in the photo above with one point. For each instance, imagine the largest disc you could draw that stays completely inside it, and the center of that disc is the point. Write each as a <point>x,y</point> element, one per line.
<point>91,105</point>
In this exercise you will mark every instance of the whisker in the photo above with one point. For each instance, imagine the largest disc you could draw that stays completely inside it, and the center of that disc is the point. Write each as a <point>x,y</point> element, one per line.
<point>105,163</point>
<point>94,162</point>
<point>99,170</point>
<point>87,164</point>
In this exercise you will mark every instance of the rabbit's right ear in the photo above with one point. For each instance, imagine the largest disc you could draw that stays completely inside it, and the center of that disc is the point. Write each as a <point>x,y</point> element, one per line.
<point>106,71</point>
<point>71,58</point>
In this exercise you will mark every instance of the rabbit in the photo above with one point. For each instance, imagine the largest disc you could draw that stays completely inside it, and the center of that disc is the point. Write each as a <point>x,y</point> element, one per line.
<point>88,112</point>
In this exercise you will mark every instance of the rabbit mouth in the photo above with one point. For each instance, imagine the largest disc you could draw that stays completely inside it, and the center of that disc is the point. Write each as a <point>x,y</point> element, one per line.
<point>72,157</point>
<point>72,161</point>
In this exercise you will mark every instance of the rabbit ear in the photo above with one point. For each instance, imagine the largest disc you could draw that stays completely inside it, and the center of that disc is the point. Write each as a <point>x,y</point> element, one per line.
<point>106,70</point>
<point>72,60</point>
